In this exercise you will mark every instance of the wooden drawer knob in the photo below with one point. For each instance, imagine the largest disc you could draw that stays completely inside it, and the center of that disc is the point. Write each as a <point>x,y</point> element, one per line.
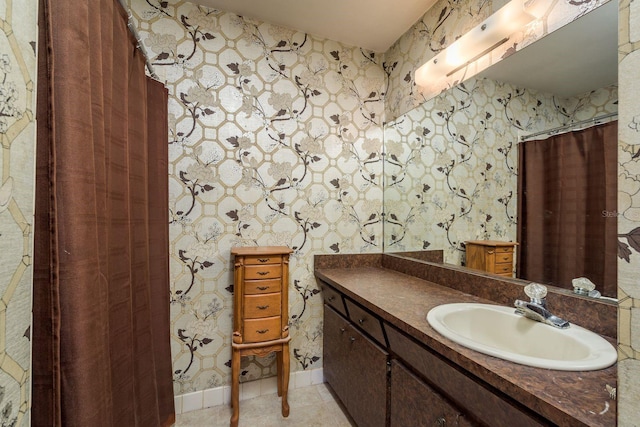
<point>262,331</point>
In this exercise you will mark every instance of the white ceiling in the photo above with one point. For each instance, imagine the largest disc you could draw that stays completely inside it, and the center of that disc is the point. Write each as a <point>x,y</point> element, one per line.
<point>370,24</point>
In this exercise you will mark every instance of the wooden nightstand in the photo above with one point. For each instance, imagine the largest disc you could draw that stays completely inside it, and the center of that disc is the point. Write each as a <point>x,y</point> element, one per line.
<point>260,314</point>
<point>491,256</point>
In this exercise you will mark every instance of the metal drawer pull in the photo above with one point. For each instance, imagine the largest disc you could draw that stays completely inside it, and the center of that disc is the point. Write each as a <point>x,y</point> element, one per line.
<point>263,259</point>
<point>352,339</point>
<point>361,321</point>
<point>263,288</point>
<point>331,298</point>
<point>342,330</point>
<point>263,273</point>
<point>262,331</point>
<point>263,307</point>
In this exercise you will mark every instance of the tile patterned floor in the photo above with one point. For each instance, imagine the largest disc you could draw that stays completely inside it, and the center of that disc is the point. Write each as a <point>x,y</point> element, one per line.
<point>313,406</point>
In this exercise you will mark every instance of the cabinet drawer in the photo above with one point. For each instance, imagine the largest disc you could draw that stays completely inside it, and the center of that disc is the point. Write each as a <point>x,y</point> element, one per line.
<point>267,286</point>
<point>262,259</point>
<point>264,305</point>
<point>504,249</point>
<point>504,258</point>
<point>509,274</point>
<point>366,321</point>
<point>257,330</point>
<point>262,271</point>
<point>333,298</point>
<point>503,268</point>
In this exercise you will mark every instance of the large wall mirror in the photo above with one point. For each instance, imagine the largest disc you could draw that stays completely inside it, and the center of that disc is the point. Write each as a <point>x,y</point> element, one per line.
<point>451,165</point>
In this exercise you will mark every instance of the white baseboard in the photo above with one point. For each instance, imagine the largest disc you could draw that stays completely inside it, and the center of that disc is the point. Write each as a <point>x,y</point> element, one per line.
<point>222,395</point>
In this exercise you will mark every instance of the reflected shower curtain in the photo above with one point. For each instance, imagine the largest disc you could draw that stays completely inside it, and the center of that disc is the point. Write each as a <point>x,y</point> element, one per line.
<point>101,354</point>
<point>567,200</point>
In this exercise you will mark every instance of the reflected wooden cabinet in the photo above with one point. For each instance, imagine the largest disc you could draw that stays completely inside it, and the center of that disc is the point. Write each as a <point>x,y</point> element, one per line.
<point>260,314</point>
<point>492,256</point>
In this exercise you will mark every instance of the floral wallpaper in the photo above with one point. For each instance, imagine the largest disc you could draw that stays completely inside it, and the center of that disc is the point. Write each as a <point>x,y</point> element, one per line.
<point>18,35</point>
<point>449,19</point>
<point>629,215</point>
<point>451,163</point>
<point>275,139</point>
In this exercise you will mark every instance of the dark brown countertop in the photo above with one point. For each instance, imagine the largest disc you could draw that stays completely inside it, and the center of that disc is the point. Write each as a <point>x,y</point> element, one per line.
<point>565,398</point>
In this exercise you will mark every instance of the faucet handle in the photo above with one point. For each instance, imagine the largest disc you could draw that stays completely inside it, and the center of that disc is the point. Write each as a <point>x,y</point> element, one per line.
<point>535,291</point>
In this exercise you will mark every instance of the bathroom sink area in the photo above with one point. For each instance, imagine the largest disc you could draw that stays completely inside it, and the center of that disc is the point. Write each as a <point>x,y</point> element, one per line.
<point>498,331</point>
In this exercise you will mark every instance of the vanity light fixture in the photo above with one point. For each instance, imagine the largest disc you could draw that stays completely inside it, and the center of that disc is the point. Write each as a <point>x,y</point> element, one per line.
<point>491,33</point>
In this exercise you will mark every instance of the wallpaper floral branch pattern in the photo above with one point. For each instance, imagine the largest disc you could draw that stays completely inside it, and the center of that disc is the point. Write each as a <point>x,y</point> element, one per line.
<point>628,215</point>
<point>276,139</point>
<point>451,163</point>
<point>18,35</point>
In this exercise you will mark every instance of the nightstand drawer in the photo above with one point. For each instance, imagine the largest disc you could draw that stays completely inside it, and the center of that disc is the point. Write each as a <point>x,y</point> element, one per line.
<point>263,259</point>
<point>504,249</point>
<point>268,286</point>
<point>504,257</point>
<point>503,268</point>
<point>265,305</point>
<point>262,271</point>
<point>257,330</point>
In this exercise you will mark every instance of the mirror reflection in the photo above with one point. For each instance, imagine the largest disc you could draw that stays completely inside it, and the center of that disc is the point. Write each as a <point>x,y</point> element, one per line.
<point>452,164</point>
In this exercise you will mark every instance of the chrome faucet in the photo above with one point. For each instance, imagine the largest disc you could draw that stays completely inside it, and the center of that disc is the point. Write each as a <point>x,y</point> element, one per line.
<point>536,309</point>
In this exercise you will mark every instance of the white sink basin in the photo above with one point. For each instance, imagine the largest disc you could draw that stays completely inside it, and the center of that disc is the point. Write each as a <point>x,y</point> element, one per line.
<point>499,332</point>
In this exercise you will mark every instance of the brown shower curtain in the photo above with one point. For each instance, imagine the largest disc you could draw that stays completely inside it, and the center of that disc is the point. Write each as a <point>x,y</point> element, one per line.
<point>567,200</point>
<point>101,354</point>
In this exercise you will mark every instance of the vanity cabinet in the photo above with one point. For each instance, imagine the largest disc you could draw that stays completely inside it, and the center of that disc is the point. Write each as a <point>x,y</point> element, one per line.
<point>491,256</point>
<point>356,368</point>
<point>385,377</point>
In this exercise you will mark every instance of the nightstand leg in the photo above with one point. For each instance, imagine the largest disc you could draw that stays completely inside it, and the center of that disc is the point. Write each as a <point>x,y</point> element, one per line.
<point>235,386</point>
<point>285,378</point>
<point>279,371</point>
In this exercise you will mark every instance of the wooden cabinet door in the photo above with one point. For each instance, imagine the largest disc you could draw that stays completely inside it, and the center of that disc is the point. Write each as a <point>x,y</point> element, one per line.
<point>414,403</point>
<point>335,362</point>
<point>368,380</point>
<point>356,369</point>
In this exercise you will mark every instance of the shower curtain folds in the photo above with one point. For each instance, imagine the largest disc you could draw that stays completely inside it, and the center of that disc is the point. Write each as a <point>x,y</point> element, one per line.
<point>101,354</point>
<point>567,201</point>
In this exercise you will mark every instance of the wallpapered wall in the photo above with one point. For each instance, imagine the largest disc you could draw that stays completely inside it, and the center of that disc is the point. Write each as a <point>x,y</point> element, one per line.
<point>447,20</point>
<point>18,35</point>
<point>451,163</point>
<point>629,215</point>
<point>276,139</point>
